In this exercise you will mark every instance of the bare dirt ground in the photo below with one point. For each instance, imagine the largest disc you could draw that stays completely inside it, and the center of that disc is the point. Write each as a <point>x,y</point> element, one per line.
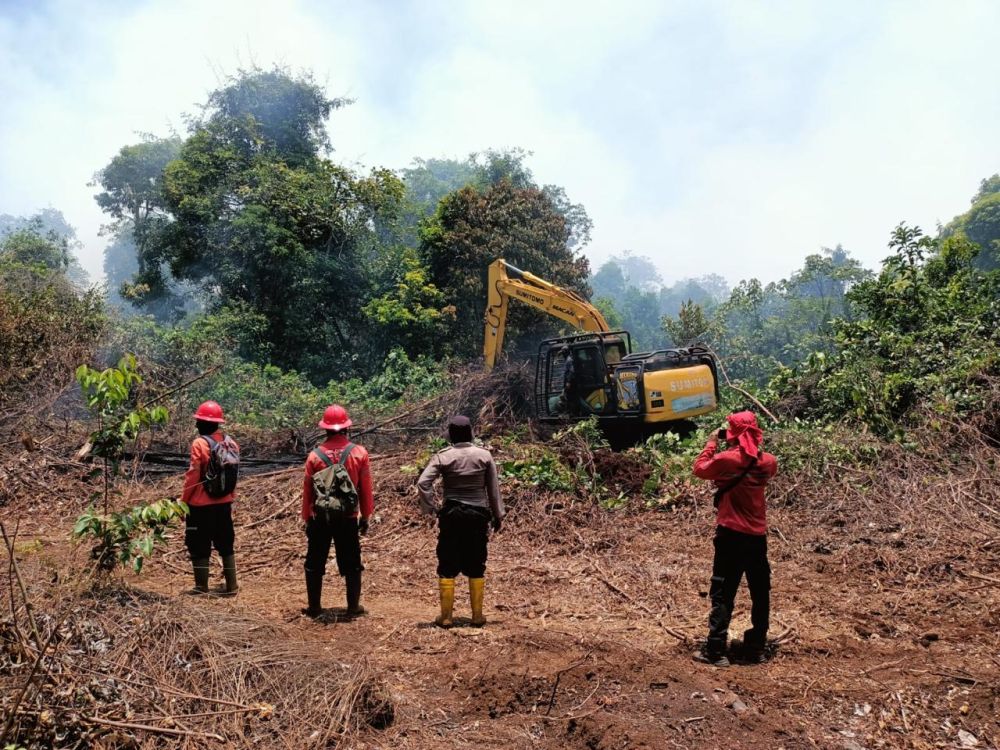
<point>888,600</point>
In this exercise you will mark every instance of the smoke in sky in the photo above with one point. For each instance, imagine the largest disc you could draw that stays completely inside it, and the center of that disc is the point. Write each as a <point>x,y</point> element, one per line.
<point>727,137</point>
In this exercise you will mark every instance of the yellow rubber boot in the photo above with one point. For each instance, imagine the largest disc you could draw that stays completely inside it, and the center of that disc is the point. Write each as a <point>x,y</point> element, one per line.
<point>447,588</point>
<point>476,586</point>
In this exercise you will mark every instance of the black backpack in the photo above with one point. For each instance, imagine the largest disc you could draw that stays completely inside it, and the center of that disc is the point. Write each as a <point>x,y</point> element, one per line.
<point>223,467</point>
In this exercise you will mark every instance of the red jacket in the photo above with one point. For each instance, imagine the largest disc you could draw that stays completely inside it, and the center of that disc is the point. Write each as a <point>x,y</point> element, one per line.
<point>743,508</point>
<point>194,493</point>
<point>358,467</point>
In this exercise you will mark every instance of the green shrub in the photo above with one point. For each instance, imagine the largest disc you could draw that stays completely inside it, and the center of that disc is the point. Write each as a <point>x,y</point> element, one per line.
<point>128,537</point>
<point>544,470</point>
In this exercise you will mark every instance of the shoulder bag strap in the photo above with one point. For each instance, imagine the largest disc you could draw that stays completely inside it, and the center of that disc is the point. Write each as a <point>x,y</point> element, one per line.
<point>723,490</point>
<point>345,453</point>
<point>322,454</point>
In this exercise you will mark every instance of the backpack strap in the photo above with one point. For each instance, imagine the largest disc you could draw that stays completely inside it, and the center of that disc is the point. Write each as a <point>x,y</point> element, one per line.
<point>211,443</point>
<point>322,454</point>
<point>345,453</point>
<point>731,484</point>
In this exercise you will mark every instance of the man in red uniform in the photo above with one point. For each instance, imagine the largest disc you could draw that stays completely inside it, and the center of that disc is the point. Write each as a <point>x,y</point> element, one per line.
<point>210,519</point>
<point>344,532</point>
<point>741,472</point>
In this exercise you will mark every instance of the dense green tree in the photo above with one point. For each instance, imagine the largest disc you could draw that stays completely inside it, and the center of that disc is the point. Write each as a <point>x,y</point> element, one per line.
<point>429,180</point>
<point>707,292</point>
<point>981,223</point>
<point>762,327</point>
<point>412,315</point>
<point>257,217</point>
<point>987,186</point>
<point>132,195</point>
<point>609,281</point>
<point>690,326</point>
<point>473,227</point>
<point>634,284</point>
<point>924,335</point>
<point>44,238</point>
<point>610,312</point>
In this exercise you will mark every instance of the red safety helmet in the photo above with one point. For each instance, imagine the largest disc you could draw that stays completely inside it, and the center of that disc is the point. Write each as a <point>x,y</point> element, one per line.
<point>210,412</point>
<point>335,418</point>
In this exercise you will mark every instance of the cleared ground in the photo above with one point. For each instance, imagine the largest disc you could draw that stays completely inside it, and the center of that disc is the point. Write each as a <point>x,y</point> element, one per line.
<point>887,598</point>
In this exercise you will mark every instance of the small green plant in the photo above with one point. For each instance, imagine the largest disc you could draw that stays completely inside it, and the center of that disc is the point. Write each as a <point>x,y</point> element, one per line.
<point>545,472</point>
<point>127,537</point>
<point>586,432</point>
<point>108,394</point>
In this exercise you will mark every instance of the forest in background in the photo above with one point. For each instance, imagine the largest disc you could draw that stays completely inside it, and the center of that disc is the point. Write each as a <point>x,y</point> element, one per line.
<point>246,265</point>
<point>244,248</point>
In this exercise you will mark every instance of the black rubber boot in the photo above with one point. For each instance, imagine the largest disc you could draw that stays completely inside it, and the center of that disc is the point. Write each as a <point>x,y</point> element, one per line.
<point>229,571</point>
<point>314,592</point>
<point>201,573</point>
<point>753,647</point>
<point>352,582</point>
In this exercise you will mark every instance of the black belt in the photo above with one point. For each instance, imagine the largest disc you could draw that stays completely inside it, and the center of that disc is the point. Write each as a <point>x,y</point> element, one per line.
<point>460,505</point>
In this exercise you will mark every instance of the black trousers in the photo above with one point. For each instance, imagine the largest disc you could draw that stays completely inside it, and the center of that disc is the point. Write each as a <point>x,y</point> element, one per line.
<point>209,526</point>
<point>343,534</point>
<point>463,534</point>
<point>736,554</point>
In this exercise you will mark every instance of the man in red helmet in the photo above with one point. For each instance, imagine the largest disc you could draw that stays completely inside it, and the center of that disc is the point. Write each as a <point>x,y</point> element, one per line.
<point>210,516</point>
<point>343,527</point>
<point>741,472</point>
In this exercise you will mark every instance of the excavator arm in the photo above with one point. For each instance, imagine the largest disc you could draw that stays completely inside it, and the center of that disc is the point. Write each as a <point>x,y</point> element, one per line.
<point>506,281</point>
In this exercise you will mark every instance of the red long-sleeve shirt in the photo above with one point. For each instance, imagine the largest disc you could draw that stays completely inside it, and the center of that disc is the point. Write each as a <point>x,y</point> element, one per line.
<point>743,508</point>
<point>194,491</point>
<point>358,468</point>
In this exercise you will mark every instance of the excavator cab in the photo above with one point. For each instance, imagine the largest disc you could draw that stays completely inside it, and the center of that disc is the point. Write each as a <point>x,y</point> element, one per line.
<point>626,390</point>
<point>595,359</point>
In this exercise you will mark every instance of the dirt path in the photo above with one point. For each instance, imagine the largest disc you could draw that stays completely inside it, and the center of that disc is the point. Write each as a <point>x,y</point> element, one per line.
<point>891,648</point>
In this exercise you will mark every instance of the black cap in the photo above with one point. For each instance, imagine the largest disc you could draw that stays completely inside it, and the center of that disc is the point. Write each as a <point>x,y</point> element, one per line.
<point>459,429</point>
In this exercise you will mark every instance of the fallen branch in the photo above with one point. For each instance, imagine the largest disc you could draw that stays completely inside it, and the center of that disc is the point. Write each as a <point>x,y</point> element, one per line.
<point>182,386</point>
<point>736,388</point>
<point>154,730</point>
<point>20,582</point>
<point>274,515</point>
<point>682,637</point>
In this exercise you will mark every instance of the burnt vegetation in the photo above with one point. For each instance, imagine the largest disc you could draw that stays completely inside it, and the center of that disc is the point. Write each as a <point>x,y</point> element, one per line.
<point>885,515</point>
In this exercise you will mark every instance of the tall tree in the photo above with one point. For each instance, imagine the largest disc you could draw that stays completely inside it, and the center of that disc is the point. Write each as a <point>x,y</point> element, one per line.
<point>981,223</point>
<point>45,240</point>
<point>260,220</point>
<point>472,228</point>
<point>132,195</point>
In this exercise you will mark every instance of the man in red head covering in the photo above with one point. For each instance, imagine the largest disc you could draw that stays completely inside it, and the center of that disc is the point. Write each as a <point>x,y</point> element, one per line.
<point>741,471</point>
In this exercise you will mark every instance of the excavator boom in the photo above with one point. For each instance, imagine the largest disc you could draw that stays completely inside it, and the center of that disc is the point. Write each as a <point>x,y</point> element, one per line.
<point>506,281</point>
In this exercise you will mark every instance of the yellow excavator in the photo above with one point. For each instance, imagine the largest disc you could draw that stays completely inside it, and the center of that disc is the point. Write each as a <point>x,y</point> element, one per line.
<point>597,373</point>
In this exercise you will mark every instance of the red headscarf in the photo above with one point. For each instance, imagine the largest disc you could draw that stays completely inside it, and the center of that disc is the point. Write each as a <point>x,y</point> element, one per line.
<point>743,429</point>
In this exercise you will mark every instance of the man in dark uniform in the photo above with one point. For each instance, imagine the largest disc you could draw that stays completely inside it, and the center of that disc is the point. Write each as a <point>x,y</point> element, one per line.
<point>571,390</point>
<point>471,505</point>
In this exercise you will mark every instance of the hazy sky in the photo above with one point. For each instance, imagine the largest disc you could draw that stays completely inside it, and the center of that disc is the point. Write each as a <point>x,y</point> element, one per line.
<point>729,136</point>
